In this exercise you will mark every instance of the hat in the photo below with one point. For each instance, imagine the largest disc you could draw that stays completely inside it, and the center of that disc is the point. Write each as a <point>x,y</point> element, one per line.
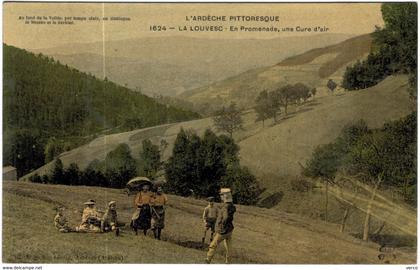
<point>111,203</point>
<point>224,190</point>
<point>210,199</point>
<point>90,202</point>
<point>227,195</point>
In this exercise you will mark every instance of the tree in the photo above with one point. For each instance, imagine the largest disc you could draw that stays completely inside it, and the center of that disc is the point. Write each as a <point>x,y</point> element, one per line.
<point>273,105</point>
<point>43,99</point>
<point>261,106</point>
<point>72,175</point>
<point>200,166</point>
<point>394,50</point>
<point>52,149</point>
<point>120,166</point>
<point>57,172</point>
<point>23,150</point>
<point>302,92</point>
<point>367,157</point>
<point>267,106</point>
<point>214,163</point>
<point>327,159</point>
<point>323,165</point>
<point>228,119</point>
<point>286,95</point>
<point>376,157</point>
<point>331,85</point>
<point>149,159</point>
<point>93,176</point>
<point>176,168</point>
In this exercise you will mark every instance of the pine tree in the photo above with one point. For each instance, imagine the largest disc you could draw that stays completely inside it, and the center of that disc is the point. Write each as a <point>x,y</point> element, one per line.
<point>58,172</point>
<point>149,159</point>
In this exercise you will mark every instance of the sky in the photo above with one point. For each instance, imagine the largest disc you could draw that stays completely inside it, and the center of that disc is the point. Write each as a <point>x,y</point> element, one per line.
<point>340,18</point>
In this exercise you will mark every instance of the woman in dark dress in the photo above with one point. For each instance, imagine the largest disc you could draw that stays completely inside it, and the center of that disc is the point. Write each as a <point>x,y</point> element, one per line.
<point>141,219</point>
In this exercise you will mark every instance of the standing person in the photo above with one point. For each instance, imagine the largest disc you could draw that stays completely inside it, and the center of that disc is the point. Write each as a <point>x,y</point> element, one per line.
<point>91,219</point>
<point>159,202</point>
<point>109,220</point>
<point>142,216</point>
<point>224,226</point>
<point>209,218</point>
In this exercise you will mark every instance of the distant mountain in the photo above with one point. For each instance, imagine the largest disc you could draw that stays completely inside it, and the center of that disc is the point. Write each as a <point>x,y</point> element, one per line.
<point>172,65</point>
<point>43,99</point>
<point>313,68</point>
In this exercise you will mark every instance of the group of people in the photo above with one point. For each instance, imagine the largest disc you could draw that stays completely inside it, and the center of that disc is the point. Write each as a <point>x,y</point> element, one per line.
<point>150,214</point>
<point>92,220</point>
<point>150,211</point>
<point>220,222</point>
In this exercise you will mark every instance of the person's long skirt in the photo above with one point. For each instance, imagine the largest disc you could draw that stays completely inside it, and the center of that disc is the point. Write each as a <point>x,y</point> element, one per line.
<point>144,220</point>
<point>158,217</point>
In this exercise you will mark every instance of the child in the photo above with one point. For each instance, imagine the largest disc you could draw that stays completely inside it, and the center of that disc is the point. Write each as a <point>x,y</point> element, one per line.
<point>60,221</point>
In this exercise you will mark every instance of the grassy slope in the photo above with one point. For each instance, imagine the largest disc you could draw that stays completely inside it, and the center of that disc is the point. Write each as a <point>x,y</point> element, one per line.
<point>273,152</point>
<point>275,149</point>
<point>260,236</point>
<point>347,51</point>
<point>159,65</point>
<point>282,146</point>
<point>313,68</point>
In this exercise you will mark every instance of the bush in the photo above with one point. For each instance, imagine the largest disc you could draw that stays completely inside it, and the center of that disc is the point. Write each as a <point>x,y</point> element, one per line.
<point>35,178</point>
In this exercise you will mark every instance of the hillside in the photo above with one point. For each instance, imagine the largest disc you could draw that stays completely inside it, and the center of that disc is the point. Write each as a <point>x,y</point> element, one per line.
<point>278,147</point>
<point>273,152</point>
<point>261,235</point>
<point>313,68</point>
<point>43,98</point>
<point>172,65</point>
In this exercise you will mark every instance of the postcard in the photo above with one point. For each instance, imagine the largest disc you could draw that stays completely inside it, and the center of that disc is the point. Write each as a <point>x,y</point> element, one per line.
<point>209,133</point>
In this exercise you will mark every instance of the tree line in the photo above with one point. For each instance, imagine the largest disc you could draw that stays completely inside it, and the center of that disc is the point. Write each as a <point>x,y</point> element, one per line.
<point>384,157</point>
<point>118,167</point>
<point>198,167</point>
<point>49,107</point>
<point>394,50</point>
<point>269,103</point>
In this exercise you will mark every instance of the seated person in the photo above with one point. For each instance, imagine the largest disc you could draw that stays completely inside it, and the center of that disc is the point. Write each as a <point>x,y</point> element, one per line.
<point>91,220</point>
<point>60,221</point>
<point>109,221</point>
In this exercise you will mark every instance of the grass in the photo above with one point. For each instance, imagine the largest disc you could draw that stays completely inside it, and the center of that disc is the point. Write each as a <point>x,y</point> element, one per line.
<point>346,52</point>
<point>272,152</point>
<point>312,68</point>
<point>260,235</point>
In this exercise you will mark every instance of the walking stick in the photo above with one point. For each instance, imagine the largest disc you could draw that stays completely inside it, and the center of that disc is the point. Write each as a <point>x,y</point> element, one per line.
<point>154,210</point>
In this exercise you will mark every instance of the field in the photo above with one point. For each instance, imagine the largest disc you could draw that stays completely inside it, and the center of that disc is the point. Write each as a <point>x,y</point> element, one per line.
<point>313,68</point>
<point>263,236</point>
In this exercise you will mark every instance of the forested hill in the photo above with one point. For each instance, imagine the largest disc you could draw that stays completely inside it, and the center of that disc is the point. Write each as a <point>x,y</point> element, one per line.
<point>43,99</point>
